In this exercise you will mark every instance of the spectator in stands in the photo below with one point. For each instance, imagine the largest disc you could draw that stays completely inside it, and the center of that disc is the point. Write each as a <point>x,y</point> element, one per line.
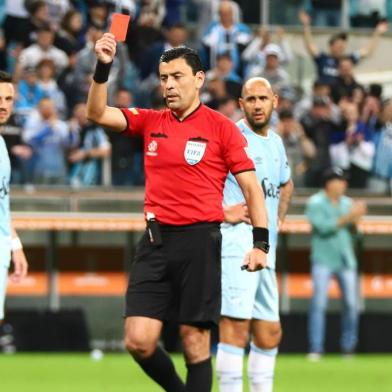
<point>228,106</point>
<point>56,10</point>
<point>333,217</point>
<point>327,63</point>
<point>224,69</point>
<point>127,152</point>
<point>382,167</point>
<point>299,148</point>
<point>345,84</point>
<point>39,18</point>
<point>320,89</point>
<point>124,148</point>
<point>44,48</point>
<point>70,37</point>
<point>98,13</point>
<point>92,148</point>
<point>49,139</point>
<point>174,12</point>
<point>16,22</point>
<point>254,55</point>
<point>353,149</point>
<point>319,126</point>
<point>225,35</point>
<point>85,64</point>
<point>29,93</point>
<point>70,85</point>
<point>18,151</point>
<point>127,7</point>
<point>175,35</point>
<point>142,34</point>
<point>273,72</point>
<point>46,72</point>
<point>371,110</point>
<point>214,92</point>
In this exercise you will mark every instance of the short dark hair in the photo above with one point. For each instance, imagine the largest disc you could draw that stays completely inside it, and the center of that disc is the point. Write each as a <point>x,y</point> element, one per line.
<point>189,55</point>
<point>338,36</point>
<point>5,77</point>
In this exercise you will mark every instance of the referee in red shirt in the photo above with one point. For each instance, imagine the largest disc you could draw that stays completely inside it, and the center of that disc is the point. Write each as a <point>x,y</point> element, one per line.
<point>188,151</point>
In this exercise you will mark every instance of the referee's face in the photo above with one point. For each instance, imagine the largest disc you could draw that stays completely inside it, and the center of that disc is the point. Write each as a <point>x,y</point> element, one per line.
<point>7,93</point>
<point>180,87</point>
<point>257,103</point>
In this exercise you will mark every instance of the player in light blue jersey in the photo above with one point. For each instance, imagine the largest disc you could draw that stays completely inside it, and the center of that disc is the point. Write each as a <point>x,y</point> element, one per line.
<point>250,299</point>
<point>10,245</point>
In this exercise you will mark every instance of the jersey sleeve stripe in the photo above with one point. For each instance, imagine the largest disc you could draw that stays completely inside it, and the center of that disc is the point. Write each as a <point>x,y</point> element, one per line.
<point>245,170</point>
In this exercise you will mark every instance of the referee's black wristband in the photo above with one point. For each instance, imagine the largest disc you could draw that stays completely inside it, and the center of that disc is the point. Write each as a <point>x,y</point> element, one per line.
<point>261,238</point>
<point>101,74</point>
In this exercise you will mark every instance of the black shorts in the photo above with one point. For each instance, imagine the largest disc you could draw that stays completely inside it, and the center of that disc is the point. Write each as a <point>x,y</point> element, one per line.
<point>180,280</point>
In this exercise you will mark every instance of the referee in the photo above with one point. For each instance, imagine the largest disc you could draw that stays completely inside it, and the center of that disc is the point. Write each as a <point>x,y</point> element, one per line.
<point>188,151</point>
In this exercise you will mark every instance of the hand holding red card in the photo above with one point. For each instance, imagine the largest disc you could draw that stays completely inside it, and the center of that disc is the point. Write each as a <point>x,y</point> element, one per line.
<point>119,26</point>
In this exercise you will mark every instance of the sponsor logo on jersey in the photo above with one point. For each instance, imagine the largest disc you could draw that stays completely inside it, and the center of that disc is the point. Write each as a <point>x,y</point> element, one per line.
<point>194,152</point>
<point>152,149</point>
<point>258,160</point>
<point>269,189</point>
<point>4,189</point>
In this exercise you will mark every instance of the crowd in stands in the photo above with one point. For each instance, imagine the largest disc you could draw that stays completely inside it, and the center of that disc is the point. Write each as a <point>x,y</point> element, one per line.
<point>48,46</point>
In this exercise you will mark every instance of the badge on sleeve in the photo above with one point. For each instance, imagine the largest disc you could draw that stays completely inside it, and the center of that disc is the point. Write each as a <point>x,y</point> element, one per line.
<point>194,151</point>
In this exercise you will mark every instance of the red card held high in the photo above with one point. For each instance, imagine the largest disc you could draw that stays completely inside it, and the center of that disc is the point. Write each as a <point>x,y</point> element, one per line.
<point>119,26</point>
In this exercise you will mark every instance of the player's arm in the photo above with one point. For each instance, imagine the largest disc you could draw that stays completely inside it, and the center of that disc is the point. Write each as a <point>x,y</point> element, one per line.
<point>256,259</point>
<point>97,109</point>
<point>286,192</point>
<point>18,258</point>
<point>308,37</point>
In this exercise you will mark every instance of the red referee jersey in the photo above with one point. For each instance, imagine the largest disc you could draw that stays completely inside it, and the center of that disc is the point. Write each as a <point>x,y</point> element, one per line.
<point>186,162</point>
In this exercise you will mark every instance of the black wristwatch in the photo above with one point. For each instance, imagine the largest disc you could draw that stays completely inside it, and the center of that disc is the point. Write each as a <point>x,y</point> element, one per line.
<point>262,245</point>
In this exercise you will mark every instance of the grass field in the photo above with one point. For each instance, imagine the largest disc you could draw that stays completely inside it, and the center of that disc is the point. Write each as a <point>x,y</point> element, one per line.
<point>118,373</point>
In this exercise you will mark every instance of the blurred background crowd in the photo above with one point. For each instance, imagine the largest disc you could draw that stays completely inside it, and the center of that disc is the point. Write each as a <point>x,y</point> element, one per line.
<point>331,119</point>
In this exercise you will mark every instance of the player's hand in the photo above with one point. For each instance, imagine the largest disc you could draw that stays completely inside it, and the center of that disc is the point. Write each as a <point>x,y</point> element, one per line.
<point>20,265</point>
<point>236,213</point>
<point>255,260</point>
<point>105,48</point>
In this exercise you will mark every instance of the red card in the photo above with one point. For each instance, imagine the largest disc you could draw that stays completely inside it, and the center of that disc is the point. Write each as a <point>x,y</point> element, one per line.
<point>119,26</point>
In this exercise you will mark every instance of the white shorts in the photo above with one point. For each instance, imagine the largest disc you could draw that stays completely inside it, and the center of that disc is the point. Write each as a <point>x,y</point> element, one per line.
<point>3,288</point>
<point>246,295</point>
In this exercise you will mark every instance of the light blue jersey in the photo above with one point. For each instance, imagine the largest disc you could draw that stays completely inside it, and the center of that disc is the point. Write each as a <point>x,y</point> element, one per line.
<point>253,295</point>
<point>5,219</point>
<point>272,170</point>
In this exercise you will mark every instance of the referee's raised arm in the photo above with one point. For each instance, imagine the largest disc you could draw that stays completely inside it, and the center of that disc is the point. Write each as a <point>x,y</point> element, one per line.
<point>97,109</point>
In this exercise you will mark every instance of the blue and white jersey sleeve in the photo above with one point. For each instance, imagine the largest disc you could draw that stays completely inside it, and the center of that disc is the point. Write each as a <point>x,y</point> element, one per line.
<point>5,218</point>
<point>285,171</point>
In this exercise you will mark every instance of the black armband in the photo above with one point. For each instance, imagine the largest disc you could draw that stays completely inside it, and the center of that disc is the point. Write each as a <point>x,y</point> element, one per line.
<point>261,238</point>
<point>101,74</point>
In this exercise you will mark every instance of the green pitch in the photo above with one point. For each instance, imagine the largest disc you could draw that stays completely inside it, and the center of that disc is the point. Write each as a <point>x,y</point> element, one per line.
<point>118,373</point>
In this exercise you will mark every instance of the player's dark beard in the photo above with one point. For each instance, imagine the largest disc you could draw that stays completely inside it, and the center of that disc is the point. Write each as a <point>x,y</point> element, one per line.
<point>258,127</point>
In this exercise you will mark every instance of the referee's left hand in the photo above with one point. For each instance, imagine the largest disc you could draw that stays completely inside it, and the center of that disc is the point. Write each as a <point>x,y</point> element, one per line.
<point>255,260</point>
